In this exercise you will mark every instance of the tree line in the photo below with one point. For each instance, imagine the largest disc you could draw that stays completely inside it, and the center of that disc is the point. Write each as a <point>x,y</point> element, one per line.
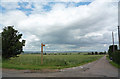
<point>97,53</point>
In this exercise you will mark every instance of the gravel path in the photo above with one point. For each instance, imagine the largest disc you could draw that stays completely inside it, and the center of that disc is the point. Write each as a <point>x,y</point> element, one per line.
<point>99,68</point>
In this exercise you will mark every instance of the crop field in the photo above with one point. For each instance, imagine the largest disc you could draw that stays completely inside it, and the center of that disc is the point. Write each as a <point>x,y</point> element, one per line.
<point>33,61</point>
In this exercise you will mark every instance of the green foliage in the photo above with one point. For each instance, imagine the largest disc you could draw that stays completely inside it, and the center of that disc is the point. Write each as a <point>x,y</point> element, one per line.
<point>92,53</point>
<point>113,63</point>
<point>110,51</point>
<point>79,53</point>
<point>96,53</point>
<point>33,61</point>
<point>114,55</point>
<point>11,45</point>
<point>0,41</point>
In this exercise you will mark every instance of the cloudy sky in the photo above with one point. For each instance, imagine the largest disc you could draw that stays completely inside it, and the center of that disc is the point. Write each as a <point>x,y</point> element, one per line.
<point>62,25</point>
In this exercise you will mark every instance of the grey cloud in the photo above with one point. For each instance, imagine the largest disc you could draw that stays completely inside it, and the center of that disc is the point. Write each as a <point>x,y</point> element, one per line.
<point>62,36</point>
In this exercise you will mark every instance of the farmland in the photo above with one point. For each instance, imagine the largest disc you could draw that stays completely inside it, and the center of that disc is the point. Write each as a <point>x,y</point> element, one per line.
<point>33,61</point>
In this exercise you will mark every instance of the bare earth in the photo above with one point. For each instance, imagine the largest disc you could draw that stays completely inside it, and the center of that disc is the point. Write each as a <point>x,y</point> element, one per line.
<point>99,68</point>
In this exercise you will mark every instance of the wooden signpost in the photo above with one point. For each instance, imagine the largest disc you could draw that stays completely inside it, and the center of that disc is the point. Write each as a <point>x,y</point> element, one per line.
<point>42,52</point>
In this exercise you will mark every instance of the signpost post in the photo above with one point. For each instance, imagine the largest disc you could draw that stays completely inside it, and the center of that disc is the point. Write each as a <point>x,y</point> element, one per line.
<point>42,52</point>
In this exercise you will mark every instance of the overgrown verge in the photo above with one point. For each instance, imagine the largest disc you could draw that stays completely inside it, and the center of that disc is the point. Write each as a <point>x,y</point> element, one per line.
<point>32,62</point>
<point>113,63</point>
<point>114,54</point>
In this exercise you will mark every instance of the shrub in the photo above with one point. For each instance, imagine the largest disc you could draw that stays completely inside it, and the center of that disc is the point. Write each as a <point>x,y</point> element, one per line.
<point>110,51</point>
<point>116,57</point>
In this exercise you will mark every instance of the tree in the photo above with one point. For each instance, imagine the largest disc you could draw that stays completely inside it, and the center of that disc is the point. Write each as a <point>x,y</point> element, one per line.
<point>100,53</point>
<point>105,52</point>
<point>110,50</point>
<point>78,53</point>
<point>11,44</point>
<point>92,53</point>
<point>96,53</point>
<point>0,44</point>
<point>45,53</point>
<point>116,57</point>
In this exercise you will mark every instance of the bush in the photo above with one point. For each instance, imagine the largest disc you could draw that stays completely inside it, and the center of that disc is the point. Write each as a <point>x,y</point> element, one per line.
<point>110,51</point>
<point>116,57</point>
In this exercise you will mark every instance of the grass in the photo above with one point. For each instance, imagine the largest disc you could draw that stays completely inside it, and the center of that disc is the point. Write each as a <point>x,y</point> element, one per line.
<point>33,61</point>
<point>113,63</point>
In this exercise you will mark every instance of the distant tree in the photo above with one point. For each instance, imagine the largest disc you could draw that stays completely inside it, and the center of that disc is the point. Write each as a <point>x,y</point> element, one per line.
<point>78,53</point>
<point>92,53</point>
<point>96,53</point>
<point>100,53</point>
<point>105,52</point>
<point>55,54</point>
<point>45,53</point>
<point>11,44</point>
<point>89,53</point>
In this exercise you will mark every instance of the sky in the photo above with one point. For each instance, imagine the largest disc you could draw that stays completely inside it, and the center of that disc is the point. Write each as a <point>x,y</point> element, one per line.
<point>62,25</point>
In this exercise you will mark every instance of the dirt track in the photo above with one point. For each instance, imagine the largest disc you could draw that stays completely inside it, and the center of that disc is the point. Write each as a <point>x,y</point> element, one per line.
<point>99,68</point>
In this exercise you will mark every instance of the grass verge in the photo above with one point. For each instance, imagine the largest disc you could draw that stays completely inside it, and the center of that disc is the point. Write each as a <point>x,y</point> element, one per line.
<point>113,63</point>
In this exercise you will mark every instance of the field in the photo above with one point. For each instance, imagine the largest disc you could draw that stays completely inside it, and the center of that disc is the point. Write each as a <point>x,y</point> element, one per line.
<point>33,61</point>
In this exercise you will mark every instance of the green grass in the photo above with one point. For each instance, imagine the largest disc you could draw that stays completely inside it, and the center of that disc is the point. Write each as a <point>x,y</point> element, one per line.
<point>33,61</point>
<point>113,63</point>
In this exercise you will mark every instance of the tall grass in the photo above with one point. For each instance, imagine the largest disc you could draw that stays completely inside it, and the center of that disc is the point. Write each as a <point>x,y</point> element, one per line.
<point>113,63</point>
<point>33,61</point>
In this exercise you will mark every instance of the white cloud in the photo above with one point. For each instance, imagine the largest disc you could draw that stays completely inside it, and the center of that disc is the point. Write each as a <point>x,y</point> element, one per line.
<point>9,5</point>
<point>93,34</point>
<point>66,28</point>
<point>58,0</point>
